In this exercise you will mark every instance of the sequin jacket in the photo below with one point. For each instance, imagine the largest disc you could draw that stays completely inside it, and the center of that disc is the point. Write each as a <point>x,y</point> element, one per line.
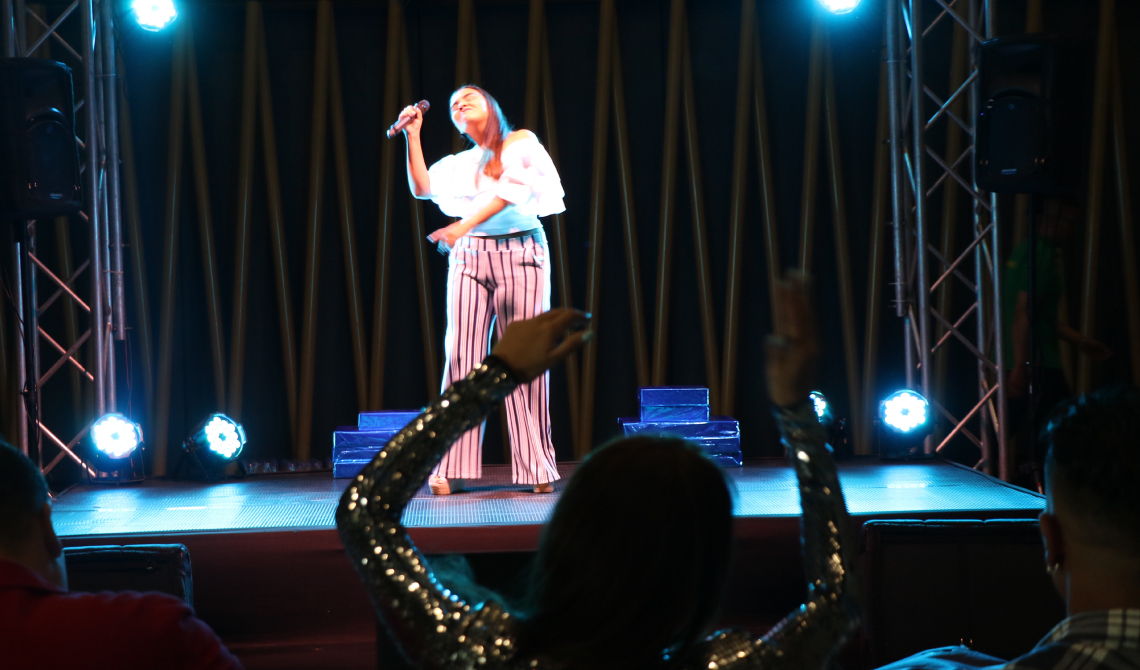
<point>438,630</point>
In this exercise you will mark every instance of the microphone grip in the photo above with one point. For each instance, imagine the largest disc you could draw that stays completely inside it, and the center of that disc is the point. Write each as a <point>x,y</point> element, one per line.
<point>400,124</point>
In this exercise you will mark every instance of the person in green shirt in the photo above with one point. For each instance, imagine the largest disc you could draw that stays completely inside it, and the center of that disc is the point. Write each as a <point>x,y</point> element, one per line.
<point>1054,226</point>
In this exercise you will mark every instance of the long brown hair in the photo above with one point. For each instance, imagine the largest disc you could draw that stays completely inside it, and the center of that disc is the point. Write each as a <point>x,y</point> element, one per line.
<point>496,131</point>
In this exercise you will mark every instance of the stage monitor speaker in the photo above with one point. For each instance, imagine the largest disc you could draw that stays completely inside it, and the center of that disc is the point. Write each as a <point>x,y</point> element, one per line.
<point>1027,127</point>
<point>39,154</point>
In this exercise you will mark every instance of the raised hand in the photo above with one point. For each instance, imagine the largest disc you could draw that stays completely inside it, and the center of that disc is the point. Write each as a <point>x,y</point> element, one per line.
<point>533,346</point>
<point>793,350</point>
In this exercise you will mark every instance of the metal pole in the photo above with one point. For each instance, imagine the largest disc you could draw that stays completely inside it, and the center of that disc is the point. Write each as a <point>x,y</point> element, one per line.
<point>111,128</point>
<point>21,354</point>
<point>92,204</point>
<point>244,197</point>
<point>897,100</point>
<point>668,191</point>
<point>8,29</point>
<point>919,157</point>
<point>597,212</point>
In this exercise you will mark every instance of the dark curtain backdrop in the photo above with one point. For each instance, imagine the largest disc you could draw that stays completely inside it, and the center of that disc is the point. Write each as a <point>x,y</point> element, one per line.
<point>502,44</point>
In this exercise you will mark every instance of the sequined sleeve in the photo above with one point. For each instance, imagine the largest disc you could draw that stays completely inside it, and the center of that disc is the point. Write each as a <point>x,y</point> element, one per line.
<point>808,637</point>
<point>433,626</point>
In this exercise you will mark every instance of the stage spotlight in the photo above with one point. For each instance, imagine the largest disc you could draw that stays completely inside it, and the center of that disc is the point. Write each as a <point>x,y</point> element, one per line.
<point>822,408</point>
<point>154,15</point>
<point>906,421</point>
<point>839,6</point>
<point>215,443</point>
<point>115,436</point>
<point>117,443</point>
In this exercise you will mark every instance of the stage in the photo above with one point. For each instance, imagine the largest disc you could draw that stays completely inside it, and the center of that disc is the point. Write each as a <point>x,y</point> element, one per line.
<point>271,577</point>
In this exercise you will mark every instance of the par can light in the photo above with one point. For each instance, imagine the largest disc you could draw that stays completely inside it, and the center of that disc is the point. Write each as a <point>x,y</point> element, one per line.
<point>822,408</point>
<point>219,437</point>
<point>905,412</point>
<point>115,436</point>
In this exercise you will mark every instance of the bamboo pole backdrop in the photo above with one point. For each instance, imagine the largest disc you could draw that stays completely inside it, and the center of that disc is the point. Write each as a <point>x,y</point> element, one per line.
<point>749,234</point>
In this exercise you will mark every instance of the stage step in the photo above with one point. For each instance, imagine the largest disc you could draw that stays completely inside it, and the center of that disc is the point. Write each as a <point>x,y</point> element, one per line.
<point>392,419</point>
<point>684,411</point>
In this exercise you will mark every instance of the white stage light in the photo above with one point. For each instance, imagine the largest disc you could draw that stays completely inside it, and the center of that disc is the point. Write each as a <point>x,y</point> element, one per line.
<point>115,435</point>
<point>819,402</point>
<point>222,436</point>
<point>905,412</point>
<point>154,14</point>
<point>839,6</point>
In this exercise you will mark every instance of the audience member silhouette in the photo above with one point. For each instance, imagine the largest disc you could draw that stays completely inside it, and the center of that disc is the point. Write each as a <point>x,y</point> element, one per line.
<point>43,625</point>
<point>1091,530</point>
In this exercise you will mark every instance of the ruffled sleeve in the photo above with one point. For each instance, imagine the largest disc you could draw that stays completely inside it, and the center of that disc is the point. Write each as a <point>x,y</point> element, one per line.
<point>452,183</point>
<point>530,181</point>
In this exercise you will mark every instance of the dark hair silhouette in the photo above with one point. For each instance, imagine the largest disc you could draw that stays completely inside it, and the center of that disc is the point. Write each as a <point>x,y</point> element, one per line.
<point>634,558</point>
<point>1094,462</point>
<point>496,131</point>
<point>23,493</point>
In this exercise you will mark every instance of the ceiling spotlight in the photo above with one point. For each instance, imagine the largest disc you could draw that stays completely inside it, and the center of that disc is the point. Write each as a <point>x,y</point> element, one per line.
<point>839,6</point>
<point>117,443</point>
<point>215,443</point>
<point>822,407</point>
<point>154,15</point>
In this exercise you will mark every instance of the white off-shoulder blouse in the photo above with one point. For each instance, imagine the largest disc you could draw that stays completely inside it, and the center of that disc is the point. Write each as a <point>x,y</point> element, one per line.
<point>529,182</point>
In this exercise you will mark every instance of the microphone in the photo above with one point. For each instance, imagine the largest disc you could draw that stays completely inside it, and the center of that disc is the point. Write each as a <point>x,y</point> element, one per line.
<point>422,105</point>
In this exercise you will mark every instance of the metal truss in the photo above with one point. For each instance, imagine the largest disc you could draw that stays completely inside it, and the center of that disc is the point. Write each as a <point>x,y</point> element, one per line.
<point>921,176</point>
<point>97,96</point>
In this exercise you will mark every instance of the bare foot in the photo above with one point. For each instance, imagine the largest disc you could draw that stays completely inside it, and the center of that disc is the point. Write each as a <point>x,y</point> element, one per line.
<point>544,488</point>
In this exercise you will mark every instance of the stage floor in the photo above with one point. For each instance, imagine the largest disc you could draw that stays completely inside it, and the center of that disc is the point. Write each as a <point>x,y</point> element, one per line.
<point>308,501</point>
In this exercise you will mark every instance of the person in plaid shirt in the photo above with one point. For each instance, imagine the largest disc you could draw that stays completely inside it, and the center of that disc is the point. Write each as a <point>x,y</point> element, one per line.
<point>1091,529</point>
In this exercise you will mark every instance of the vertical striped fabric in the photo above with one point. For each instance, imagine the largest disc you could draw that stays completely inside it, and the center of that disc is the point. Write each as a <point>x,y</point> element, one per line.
<point>494,282</point>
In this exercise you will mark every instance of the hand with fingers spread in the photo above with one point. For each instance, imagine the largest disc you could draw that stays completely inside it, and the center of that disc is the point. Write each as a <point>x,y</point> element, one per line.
<point>533,346</point>
<point>793,349</point>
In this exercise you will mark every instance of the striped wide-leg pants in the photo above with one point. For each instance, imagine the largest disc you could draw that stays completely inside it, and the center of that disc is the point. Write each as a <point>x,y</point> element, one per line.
<point>495,282</point>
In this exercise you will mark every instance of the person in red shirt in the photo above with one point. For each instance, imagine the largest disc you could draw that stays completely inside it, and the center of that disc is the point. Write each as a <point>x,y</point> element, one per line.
<point>42,625</point>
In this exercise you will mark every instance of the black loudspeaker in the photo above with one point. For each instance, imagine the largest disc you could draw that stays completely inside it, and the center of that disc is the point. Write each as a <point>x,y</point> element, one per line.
<point>1027,127</point>
<point>39,155</point>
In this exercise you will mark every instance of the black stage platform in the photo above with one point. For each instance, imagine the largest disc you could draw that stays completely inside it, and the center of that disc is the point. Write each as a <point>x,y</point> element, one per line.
<point>271,577</point>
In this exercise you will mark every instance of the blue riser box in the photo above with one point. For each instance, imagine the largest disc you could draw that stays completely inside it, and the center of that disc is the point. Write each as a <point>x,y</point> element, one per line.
<point>673,396</point>
<point>348,441</point>
<point>676,413</point>
<point>392,420</point>
<point>719,426</point>
<point>346,469</point>
<point>728,460</point>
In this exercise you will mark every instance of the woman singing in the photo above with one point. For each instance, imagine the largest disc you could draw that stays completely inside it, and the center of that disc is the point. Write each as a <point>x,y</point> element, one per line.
<point>497,269</point>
